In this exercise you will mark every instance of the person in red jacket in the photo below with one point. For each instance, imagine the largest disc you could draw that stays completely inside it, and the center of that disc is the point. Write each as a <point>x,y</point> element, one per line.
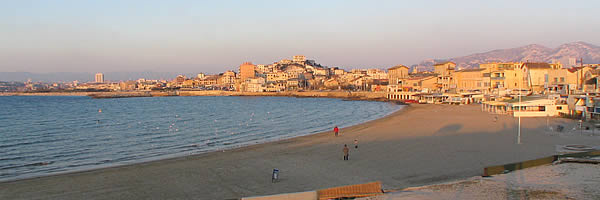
<point>336,130</point>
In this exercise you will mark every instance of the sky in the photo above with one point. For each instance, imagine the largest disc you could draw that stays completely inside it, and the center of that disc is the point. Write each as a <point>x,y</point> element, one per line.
<point>214,36</point>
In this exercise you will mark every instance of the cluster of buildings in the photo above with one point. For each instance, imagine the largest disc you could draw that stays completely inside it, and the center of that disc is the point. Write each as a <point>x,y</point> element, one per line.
<point>34,86</point>
<point>296,74</point>
<point>548,88</point>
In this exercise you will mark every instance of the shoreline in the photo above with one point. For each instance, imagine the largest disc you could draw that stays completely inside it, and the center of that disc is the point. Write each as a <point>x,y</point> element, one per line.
<point>362,95</point>
<point>418,145</point>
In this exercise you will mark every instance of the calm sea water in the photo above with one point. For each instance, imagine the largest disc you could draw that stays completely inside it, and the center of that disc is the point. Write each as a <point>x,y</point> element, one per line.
<point>47,135</point>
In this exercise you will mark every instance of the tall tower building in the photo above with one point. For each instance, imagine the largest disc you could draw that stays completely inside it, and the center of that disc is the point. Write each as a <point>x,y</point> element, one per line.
<point>99,78</point>
<point>247,71</point>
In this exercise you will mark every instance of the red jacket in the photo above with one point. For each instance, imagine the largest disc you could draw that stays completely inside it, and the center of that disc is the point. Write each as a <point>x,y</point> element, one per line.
<point>336,129</point>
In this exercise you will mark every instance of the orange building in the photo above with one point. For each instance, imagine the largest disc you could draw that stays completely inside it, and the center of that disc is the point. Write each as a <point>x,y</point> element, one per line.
<point>247,70</point>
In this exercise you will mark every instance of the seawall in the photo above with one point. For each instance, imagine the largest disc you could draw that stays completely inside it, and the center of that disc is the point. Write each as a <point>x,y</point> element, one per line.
<point>371,96</point>
<point>308,94</point>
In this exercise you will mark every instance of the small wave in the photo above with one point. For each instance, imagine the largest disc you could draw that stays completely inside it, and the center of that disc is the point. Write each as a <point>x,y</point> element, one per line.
<point>38,164</point>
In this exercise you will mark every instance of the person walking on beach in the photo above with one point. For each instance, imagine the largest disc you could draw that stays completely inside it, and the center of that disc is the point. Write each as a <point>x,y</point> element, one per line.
<point>356,143</point>
<point>336,130</point>
<point>346,151</point>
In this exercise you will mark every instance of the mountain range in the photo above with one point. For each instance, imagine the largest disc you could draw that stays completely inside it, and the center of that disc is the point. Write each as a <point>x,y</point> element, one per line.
<point>565,54</point>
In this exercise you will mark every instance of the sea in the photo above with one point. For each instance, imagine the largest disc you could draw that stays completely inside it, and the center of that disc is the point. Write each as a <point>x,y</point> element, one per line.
<point>45,135</point>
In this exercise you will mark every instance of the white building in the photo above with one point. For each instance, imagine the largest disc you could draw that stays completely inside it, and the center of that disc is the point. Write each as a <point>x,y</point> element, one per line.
<point>99,78</point>
<point>299,59</point>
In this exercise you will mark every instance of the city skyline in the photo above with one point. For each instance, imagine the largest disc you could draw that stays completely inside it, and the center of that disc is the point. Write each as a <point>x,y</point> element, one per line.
<point>71,36</point>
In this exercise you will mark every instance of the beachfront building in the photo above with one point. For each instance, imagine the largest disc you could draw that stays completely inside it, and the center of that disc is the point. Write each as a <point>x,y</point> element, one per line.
<point>528,107</point>
<point>444,72</point>
<point>559,81</point>
<point>444,69</point>
<point>538,74</point>
<point>396,74</point>
<point>538,108</point>
<point>209,80</point>
<point>591,82</point>
<point>227,79</point>
<point>397,92</point>
<point>419,83</point>
<point>292,84</point>
<point>498,72</point>
<point>253,85</point>
<point>517,78</point>
<point>471,80</point>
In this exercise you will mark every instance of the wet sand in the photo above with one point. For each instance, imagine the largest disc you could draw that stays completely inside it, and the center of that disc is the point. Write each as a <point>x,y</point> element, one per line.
<point>419,145</point>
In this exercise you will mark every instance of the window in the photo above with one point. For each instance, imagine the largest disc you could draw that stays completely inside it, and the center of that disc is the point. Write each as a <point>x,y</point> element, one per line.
<point>558,107</point>
<point>562,79</point>
<point>555,80</point>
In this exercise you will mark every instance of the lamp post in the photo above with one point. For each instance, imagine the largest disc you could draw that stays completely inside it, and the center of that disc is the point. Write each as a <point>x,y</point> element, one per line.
<point>520,91</point>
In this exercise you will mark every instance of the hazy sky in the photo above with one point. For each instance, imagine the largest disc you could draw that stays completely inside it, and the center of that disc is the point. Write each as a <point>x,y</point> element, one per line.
<point>214,36</point>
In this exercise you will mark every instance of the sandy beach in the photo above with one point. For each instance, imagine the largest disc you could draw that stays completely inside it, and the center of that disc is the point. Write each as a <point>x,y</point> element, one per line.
<point>419,145</point>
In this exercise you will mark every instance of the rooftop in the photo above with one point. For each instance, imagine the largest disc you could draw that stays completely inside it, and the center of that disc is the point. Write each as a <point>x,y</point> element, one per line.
<point>537,65</point>
<point>471,70</point>
<point>443,63</point>
<point>397,67</point>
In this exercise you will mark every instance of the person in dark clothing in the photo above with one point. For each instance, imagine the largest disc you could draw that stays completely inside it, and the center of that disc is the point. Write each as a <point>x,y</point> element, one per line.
<point>356,143</point>
<point>346,151</point>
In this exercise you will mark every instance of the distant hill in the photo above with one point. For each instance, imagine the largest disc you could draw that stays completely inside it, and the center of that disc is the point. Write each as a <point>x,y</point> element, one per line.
<point>533,53</point>
<point>85,76</point>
